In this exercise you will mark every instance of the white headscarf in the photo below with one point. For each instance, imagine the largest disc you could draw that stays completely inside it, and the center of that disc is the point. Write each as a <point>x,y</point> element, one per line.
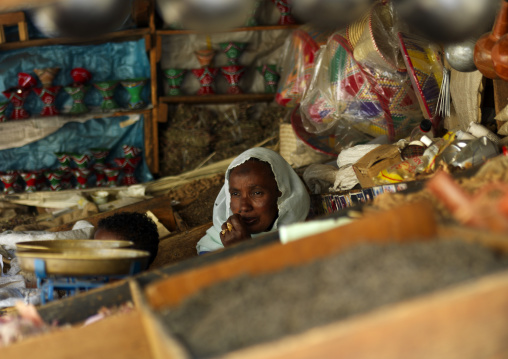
<point>293,204</point>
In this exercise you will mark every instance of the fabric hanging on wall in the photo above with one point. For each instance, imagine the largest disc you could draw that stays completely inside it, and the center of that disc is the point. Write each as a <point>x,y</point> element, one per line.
<point>80,137</point>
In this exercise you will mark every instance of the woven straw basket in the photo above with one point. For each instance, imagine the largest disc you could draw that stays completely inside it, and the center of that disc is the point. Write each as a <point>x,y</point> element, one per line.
<point>376,46</point>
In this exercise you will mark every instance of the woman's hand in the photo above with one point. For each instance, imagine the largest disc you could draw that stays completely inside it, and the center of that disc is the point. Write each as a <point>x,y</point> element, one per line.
<point>233,231</point>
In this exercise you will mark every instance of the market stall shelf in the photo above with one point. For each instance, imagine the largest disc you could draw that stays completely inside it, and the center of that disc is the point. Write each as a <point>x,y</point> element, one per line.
<point>220,98</point>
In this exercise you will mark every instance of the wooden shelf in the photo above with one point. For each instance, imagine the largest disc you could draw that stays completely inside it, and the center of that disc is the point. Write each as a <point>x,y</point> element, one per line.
<point>122,112</point>
<point>236,29</point>
<point>219,98</point>
<point>124,35</point>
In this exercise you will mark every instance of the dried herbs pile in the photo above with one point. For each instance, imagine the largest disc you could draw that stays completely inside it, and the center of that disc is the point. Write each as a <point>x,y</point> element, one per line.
<point>246,311</point>
<point>195,132</point>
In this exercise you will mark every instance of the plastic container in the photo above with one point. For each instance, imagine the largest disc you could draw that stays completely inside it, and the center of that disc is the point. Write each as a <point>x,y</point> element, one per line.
<point>429,156</point>
<point>424,129</point>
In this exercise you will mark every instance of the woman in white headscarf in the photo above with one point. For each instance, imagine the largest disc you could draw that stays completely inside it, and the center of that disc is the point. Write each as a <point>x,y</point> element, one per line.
<point>261,192</point>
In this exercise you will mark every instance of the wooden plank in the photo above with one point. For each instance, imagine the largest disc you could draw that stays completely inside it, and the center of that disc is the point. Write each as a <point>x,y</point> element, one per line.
<point>153,71</point>
<point>500,97</point>
<point>162,343</point>
<point>154,143</point>
<point>124,35</point>
<point>179,247</point>
<point>141,10</point>
<point>464,322</point>
<point>219,98</point>
<point>14,5</point>
<point>236,29</point>
<point>23,31</point>
<point>163,113</point>
<point>119,336</point>
<point>12,18</point>
<point>151,126</point>
<point>407,222</point>
<point>160,207</point>
<point>148,142</point>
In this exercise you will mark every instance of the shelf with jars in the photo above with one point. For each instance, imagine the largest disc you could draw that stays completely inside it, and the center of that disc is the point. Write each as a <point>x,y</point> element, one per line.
<point>74,96</point>
<point>227,65</point>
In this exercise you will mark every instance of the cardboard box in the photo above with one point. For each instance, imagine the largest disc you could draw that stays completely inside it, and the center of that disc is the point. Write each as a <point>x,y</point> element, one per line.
<point>374,162</point>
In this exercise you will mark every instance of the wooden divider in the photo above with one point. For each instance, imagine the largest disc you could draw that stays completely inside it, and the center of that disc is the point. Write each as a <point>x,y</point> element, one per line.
<point>407,222</point>
<point>159,206</point>
<point>120,336</point>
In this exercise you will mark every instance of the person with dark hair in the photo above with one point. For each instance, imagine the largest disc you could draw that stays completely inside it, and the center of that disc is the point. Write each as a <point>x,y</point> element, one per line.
<point>131,226</point>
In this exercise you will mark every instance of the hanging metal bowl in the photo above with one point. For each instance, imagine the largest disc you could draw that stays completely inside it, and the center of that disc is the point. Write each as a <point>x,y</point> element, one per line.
<point>89,262</point>
<point>73,244</point>
<point>460,55</point>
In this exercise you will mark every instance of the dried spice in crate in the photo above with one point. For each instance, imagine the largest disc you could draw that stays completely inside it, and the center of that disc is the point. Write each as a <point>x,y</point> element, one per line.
<point>241,312</point>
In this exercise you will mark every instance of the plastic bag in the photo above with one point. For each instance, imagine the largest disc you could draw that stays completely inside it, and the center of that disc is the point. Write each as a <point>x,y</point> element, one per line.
<point>297,63</point>
<point>320,177</point>
<point>355,101</point>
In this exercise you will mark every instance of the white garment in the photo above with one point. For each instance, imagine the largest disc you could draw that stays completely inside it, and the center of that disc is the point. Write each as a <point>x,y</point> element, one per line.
<point>293,204</point>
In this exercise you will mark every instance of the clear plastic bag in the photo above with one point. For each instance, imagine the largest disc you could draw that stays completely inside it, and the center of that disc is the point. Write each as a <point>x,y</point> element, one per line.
<point>355,101</point>
<point>297,63</point>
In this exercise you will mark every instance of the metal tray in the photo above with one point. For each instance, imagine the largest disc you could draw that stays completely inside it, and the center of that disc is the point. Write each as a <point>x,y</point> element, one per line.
<point>88,262</point>
<point>62,244</point>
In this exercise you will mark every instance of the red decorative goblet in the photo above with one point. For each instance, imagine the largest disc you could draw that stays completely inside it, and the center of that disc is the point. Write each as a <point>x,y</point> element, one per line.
<point>81,175</point>
<point>100,174</point>
<point>128,166</point>
<point>17,96</point>
<point>30,178</point>
<point>8,178</point>
<point>112,174</point>
<point>206,77</point>
<point>285,12</point>
<point>41,183</point>
<point>48,95</point>
<point>233,75</point>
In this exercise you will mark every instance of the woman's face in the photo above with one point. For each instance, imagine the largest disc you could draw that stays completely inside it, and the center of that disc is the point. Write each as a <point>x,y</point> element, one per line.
<point>254,194</point>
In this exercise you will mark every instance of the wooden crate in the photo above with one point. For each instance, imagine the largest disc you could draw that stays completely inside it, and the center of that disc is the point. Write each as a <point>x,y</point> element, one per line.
<point>400,224</point>
<point>465,321</point>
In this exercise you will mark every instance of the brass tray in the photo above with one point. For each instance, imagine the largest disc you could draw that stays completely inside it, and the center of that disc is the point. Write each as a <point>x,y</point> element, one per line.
<point>88,262</point>
<point>62,244</point>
